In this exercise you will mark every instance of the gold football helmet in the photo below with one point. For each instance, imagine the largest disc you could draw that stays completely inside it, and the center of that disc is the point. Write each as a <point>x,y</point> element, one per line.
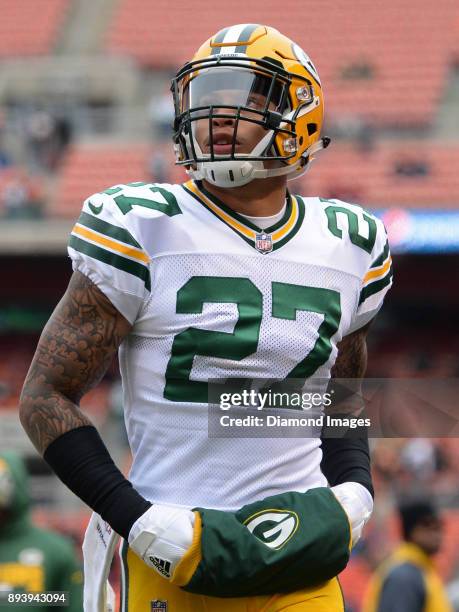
<point>249,72</point>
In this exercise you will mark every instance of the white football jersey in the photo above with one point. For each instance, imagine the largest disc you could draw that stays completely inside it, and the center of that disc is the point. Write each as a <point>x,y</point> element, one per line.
<point>211,296</point>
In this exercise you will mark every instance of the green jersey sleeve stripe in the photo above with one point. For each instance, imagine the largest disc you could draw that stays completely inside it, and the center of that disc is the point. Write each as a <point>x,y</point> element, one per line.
<point>373,288</point>
<point>113,231</point>
<point>126,265</point>
<point>382,258</point>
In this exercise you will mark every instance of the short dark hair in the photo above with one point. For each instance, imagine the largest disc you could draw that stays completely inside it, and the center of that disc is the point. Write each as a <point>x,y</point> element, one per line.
<point>414,512</point>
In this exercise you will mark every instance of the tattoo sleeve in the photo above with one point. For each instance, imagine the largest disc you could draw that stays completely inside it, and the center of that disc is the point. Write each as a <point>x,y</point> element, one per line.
<point>346,458</point>
<point>350,366</point>
<point>73,353</point>
<point>351,361</point>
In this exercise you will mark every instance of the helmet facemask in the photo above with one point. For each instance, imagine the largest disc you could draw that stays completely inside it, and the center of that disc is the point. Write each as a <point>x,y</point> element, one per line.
<point>239,89</point>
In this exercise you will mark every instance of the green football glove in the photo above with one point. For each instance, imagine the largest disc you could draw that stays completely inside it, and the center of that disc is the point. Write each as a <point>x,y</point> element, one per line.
<point>283,543</point>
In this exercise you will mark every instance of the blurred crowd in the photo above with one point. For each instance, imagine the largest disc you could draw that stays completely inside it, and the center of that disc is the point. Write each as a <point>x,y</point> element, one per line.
<point>33,142</point>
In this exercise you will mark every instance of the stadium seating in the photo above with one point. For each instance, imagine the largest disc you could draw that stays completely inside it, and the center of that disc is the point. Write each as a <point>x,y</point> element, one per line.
<point>14,363</point>
<point>416,174</point>
<point>96,403</point>
<point>91,168</point>
<point>19,188</point>
<point>368,54</point>
<point>354,580</point>
<point>21,34</point>
<point>70,523</point>
<point>456,39</point>
<point>391,174</point>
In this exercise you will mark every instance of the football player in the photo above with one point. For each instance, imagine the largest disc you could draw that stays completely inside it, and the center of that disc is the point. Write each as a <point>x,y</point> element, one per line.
<point>227,276</point>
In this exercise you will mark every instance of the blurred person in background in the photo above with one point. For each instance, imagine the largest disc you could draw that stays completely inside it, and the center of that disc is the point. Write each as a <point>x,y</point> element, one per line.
<point>162,116</point>
<point>5,159</point>
<point>31,559</point>
<point>39,135</point>
<point>408,581</point>
<point>48,136</point>
<point>21,198</point>
<point>420,458</point>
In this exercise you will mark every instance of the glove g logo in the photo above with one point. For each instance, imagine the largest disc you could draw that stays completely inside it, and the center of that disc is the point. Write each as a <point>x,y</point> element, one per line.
<point>273,527</point>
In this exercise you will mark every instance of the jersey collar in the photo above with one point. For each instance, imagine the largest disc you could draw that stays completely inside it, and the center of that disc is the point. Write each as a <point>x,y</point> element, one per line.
<point>263,240</point>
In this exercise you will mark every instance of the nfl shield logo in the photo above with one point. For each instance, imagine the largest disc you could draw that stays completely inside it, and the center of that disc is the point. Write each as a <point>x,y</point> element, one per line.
<point>159,605</point>
<point>263,243</point>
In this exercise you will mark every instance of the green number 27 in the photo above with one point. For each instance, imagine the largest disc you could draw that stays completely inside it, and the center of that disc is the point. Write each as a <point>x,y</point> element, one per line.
<point>287,300</point>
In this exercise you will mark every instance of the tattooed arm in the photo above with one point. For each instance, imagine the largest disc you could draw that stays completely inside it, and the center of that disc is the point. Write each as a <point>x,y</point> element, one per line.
<point>351,361</point>
<point>346,458</point>
<point>351,365</point>
<point>74,351</point>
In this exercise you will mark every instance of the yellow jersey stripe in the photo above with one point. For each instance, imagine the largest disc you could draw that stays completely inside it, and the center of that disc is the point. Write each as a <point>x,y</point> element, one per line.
<point>115,246</point>
<point>379,272</point>
<point>249,233</point>
<point>220,213</point>
<point>281,232</point>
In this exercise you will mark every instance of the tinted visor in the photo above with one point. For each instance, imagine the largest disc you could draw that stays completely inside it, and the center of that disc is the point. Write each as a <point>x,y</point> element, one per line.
<point>233,87</point>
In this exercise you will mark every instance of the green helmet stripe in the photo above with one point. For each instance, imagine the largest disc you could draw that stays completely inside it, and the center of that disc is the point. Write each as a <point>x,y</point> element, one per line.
<point>245,35</point>
<point>218,39</point>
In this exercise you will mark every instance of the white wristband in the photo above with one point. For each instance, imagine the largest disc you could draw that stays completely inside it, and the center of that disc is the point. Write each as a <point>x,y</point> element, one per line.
<point>358,505</point>
<point>162,536</point>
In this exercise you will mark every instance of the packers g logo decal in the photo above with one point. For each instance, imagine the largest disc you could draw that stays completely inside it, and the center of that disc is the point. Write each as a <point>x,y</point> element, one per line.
<point>273,527</point>
<point>305,61</point>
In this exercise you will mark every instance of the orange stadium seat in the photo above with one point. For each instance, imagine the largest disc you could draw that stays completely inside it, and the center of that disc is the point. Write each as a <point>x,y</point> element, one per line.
<point>354,580</point>
<point>91,168</point>
<point>71,523</point>
<point>14,363</point>
<point>19,32</point>
<point>13,369</point>
<point>342,171</point>
<point>370,177</point>
<point>389,38</point>
<point>448,557</point>
<point>17,177</point>
<point>456,39</point>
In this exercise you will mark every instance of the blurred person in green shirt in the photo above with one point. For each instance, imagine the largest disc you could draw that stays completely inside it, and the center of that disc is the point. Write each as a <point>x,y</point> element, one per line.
<point>31,559</point>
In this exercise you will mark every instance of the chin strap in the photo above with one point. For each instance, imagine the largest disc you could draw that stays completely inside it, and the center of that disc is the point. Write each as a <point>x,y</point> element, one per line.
<point>301,165</point>
<point>235,173</point>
